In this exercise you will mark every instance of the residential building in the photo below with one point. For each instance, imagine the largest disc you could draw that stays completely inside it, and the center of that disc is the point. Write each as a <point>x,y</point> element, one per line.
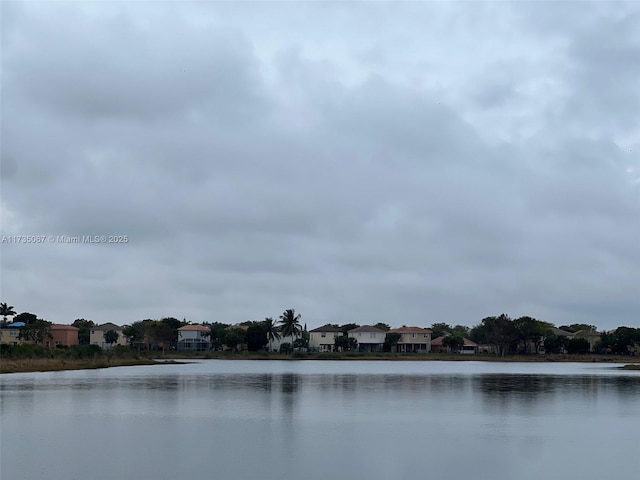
<point>413,339</point>
<point>322,339</point>
<point>369,338</point>
<point>96,335</point>
<point>10,333</point>
<point>61,335</point>
<point>469,346</point>
<point>194,337</point>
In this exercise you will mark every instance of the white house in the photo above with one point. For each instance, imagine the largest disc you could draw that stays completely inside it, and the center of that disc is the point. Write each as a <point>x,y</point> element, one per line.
<point>194,338</point>
<point>370,339</point>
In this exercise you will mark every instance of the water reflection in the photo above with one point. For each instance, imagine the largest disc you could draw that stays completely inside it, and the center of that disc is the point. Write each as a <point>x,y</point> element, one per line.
<point>319,424</point>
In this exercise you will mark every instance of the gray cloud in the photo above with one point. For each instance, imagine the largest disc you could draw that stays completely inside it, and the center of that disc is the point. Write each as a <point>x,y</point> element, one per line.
<point>406,163</point>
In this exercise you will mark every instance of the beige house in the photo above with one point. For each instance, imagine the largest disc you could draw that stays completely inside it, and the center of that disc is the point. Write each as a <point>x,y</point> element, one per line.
<point>96,335</point>
<point>413,339</point>
<point>10,335</point>
<point>322,339</point>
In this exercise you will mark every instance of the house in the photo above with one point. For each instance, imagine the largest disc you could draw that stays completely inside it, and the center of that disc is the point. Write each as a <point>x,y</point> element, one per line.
<point>96,335</point>
<point>469,347</point>
<point>591,335</point>
<point>369,338</point>
<point>413,339</point>
<point>61,335</point>
<point>10,333</point>
<point>194,338</point>
<point>322,339</point>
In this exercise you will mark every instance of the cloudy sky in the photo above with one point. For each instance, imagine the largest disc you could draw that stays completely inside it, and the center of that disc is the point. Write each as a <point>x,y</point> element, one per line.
<point>404,162</point>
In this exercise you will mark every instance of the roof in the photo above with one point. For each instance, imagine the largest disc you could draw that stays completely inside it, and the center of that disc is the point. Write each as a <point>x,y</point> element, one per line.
<point>107,326</point>
<point>559,332</point>
<point>367,328</point>
<point>16,325</point>
<point>326,328</point>
<point>410,330</point>
<point>57,326</point>
<point>197,328</point>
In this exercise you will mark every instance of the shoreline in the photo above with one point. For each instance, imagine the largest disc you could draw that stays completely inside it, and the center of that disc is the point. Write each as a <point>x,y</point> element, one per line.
<point>29,365</point>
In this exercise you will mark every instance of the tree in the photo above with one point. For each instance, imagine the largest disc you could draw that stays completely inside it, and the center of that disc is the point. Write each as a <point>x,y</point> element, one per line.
<point>272,331</point>
<point>578,345</point>
<point>454,343</point>
<point>218,334</point>
<point>460,330</point>
<point>345,344</point>
<point>25,317</point>
<point>290,324</point>
<point>500,332</point>
<point>36,332</point>
<point>135,333</point>
<point>111,337</point>
<point>530,331</point>
<point>383,326</point>
<point>390,340</point>
<point>84,330</point>
<point>348,326</point>
<point>439,329</point>
<point>6,311</point>
<point>235,337</point>
<point>256,336</point>
<point>555,343</point>
<point>575,327</point>
<point>620,341</point>
<point>303,341</point>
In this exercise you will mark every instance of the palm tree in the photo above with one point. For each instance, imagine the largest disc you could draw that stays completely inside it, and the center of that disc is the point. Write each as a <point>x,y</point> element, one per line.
<point>290,324</point>
<point>272,330</point>
<point>6,311</point>
<point>111,337</point>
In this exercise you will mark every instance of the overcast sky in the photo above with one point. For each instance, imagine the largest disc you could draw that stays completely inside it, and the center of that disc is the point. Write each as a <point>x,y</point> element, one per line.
<point>403,162</point>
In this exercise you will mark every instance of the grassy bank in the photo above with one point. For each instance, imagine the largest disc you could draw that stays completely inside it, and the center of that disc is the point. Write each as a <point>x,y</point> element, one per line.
<point>399,356</point>
<point>128,358</point>
<point>56,364</point>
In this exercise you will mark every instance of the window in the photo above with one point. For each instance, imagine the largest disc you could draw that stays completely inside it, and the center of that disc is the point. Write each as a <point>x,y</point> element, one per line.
<point>372,335</point>
<point>413,335</point>
<point>359,334</point>
<point>426,335</point>
<point>13,333</point>
<point>323,334</point>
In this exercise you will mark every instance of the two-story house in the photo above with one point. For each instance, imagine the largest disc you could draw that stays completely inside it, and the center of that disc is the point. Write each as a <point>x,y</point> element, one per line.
<point>322,339</point>
<point>96,335</point>
<point>369,338</point>
<point>194,337</point>
<point>413,339</point>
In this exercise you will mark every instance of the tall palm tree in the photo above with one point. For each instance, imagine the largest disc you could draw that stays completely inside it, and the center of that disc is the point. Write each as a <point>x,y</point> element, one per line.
<point>272,330</point>
<point>6,311</point>
<point>290,324</point>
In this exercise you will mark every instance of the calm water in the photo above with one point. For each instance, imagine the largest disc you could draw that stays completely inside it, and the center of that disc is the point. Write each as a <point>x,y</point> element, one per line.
<point>323,420</point>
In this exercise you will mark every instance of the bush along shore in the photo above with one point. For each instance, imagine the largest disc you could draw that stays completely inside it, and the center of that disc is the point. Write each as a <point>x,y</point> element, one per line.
<point>34,358</point>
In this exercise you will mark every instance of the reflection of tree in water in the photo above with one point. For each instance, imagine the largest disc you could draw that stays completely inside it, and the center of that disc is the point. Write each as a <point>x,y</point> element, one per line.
<point>289,384</point>
<point>501,390</point>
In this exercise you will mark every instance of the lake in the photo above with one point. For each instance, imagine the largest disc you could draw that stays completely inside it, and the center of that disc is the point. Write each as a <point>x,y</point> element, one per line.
<point>323,420</point>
